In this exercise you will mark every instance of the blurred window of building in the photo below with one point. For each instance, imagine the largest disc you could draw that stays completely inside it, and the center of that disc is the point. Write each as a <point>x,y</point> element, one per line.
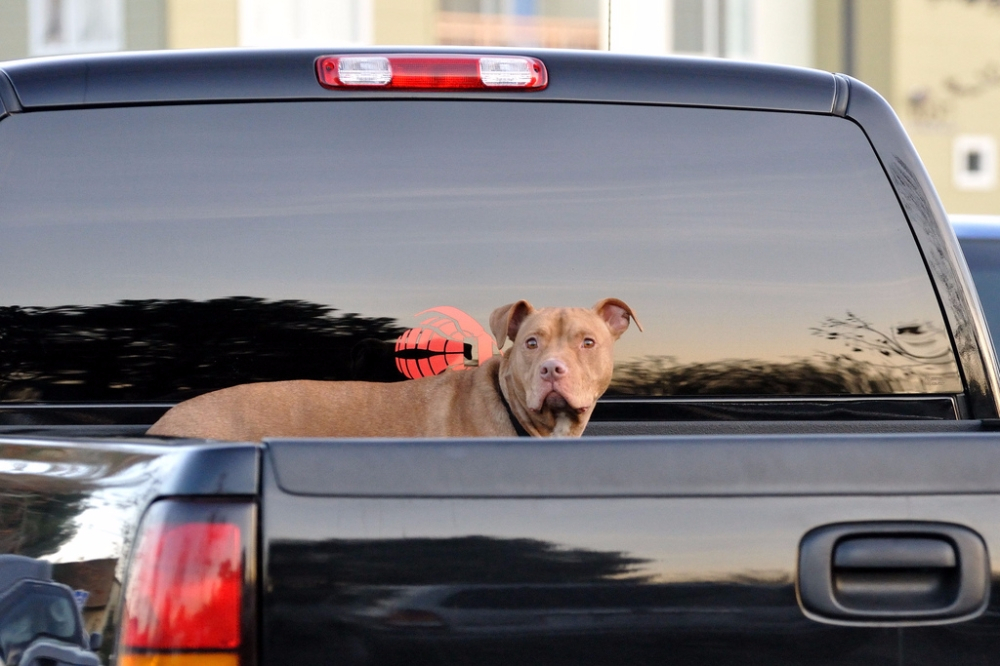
<point>721,28</point>
<point>735,28</point>
<point>646,26</point>
<point>692,27</point>
<point>573,24</point>
<point>778,31</point>
<point>305,22</point>
<point>974,162</point>
<point>74,26</point>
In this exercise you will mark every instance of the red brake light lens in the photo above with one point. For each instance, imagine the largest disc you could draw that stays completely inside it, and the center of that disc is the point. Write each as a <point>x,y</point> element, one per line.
<point>432,72</point>
<point>186,584</point>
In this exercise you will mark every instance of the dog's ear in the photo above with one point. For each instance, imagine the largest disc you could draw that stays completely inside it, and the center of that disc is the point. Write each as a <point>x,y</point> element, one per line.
<point>616,314</point>
<point>506,319</point>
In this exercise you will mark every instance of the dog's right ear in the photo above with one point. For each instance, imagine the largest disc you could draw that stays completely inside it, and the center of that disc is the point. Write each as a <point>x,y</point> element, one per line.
<point>506,320</point>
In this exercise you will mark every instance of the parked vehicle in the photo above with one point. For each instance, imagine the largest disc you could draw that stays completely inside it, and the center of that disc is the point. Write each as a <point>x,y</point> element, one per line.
<point>797,461</point>
<point>979,236</point>
<point>40,624</point>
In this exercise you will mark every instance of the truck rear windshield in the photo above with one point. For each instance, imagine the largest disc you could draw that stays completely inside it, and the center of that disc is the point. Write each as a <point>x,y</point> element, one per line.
<point>153,253</point>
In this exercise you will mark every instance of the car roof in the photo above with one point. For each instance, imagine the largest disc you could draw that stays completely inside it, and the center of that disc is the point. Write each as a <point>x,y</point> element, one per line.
<point>982,227</point>
<point>264,75</point>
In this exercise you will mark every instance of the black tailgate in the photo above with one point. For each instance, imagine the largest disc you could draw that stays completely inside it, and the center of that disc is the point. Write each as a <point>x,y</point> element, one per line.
<point>603,551</point>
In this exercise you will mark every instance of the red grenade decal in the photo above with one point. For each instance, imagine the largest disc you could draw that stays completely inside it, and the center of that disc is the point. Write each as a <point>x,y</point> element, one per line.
<point>448,339</point>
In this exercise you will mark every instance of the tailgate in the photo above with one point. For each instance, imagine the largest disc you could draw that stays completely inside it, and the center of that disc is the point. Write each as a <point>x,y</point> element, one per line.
<point>638,550</point>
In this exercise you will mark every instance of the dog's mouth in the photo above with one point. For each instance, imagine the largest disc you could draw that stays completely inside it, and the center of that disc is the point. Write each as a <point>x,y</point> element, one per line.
<point>556,402</point>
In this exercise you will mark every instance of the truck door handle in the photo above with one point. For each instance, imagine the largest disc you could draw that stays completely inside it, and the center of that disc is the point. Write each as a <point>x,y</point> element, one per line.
<point>897,573</point>
<point>894,553</point>
<point>914,573</point>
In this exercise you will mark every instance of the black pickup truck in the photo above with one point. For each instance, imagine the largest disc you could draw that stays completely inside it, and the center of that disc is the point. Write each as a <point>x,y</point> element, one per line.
<point>796,462</point>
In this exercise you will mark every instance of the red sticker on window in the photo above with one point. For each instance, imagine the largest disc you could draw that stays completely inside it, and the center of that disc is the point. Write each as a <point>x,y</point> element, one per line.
<point>446,339</point>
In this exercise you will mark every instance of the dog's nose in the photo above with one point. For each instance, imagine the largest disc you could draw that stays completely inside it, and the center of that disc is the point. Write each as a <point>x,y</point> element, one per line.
<point>553,369</point>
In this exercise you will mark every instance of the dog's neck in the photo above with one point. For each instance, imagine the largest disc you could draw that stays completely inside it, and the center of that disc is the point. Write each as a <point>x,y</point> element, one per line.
<point>518,428</point>
<point>565,426</point>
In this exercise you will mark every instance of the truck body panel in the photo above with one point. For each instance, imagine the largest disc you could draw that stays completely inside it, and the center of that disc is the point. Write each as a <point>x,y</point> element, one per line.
<point>658,548</point>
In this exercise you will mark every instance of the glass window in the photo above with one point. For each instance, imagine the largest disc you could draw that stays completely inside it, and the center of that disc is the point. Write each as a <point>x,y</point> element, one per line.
<point>713,27</point>
<point>30,611</point>
<point>75,26</point>
<point>154,253</point>
<point>689,26</point>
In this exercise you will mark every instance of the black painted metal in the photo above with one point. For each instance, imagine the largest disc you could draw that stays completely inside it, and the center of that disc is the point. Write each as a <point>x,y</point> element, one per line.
<point>893,573</point>
<point>680,466</point>
<point>93,414</point>
<point>168,467</point>
<point>99,420</point>
<point>9,103</point>
<point>777,409</point>
<point>508,579</point>
<point>231,75</point>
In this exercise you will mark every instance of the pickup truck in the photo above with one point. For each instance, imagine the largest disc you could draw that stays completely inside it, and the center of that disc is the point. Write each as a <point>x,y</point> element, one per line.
<point>797,461</point>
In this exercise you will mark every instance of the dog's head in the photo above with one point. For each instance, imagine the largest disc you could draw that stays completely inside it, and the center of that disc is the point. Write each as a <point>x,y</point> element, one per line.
<point>560,363</point>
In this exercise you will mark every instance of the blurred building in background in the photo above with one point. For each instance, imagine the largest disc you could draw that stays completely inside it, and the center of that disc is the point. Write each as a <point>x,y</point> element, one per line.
<point>942,75</point>
<point>936,61</point>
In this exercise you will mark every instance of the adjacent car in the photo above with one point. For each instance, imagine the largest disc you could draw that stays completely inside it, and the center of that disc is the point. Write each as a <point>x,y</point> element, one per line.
<point>40,623</point>
<point>979,236</point>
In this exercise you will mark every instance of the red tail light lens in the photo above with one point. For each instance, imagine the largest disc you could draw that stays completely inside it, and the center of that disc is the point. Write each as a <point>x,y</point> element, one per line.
<point>186,591</point>
<point>432,72</point>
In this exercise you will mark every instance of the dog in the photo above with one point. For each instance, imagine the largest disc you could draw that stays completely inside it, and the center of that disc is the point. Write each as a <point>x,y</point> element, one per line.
<point>546,385</point>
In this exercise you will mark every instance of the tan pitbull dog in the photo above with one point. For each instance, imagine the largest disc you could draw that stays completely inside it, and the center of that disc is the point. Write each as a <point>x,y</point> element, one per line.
<point>560,364</point>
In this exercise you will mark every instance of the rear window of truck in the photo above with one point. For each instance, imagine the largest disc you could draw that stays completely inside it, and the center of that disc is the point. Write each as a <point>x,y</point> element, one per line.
<point>153,253</point>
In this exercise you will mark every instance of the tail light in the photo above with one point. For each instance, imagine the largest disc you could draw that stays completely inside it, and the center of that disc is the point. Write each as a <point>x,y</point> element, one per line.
<point>432,72</point>
<point>189,596</point>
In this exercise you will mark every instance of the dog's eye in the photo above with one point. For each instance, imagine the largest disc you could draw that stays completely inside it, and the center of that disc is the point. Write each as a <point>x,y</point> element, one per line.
<point>588,343</point>
<point>531,343</point>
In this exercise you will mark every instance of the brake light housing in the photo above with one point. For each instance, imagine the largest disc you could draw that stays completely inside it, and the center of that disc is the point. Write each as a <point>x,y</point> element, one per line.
<point>431,72</point>
<point>190,590</point>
